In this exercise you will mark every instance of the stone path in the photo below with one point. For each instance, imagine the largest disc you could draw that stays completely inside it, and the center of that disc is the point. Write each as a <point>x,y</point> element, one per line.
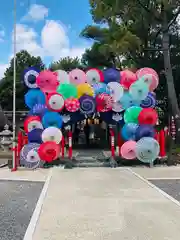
<point>104,204</point>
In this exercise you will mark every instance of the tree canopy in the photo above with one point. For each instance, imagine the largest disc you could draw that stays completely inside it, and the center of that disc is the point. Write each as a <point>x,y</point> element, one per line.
<point>66,64</point>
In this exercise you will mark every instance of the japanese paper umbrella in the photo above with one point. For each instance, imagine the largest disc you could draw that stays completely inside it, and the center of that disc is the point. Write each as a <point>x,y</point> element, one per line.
<point>128,150</point>
<point>144,131</point>
<point>77,76</point>
<point>139,90</point>
<point>147,149</point>
<point>148,75</point>
<point>52,119</point>
<point>29,77</point>
<point>126,101</point>
<point>151,80</point>
<point>67,90</point>
<point>32,122</point>
<point>131,114</point>
<point>62,76</point>
<point>47,81</point>
<point>117,106</point>
<point>52,134</point>
<point>148,116</point>
<point>94,76</point>
<point>34,96</point>
<point>85,89</point>
<point>116,90</point>
<point>72,104</point>
<point>104,102</point>
<point>28,155</point>
<point>87,104</point>
<point>39,109</point>
<point>55,102</point>
<point>100,88</point>
<point>128,131</point>
<point>49,151</point>
<point>127,78</point>
<point>35,136</point>
<point>149,101</point>
<point>142,71</point>
<point>111,75</point>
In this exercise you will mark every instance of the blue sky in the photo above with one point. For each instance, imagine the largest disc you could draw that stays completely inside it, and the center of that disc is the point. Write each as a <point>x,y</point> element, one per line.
<point>49,28</point>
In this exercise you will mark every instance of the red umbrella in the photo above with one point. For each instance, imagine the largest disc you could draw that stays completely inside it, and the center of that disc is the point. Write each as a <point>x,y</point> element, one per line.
<point>148,116</point>
<point>104,102</point>
<point>49,151</point>
<point>32,122</point>
<point>72,104</point>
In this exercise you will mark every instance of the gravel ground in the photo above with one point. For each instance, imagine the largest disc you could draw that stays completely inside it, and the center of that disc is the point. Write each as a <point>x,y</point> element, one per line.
<point>17,203</point>
<point>171,187</point>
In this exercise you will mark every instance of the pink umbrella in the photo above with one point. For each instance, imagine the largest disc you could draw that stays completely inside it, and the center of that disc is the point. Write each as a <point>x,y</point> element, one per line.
<point>128,150</point>
<point>127,78</point>
<point>47,81</point>
<point>142,71</point>
<point>149,76</point>
<point>77,76</point>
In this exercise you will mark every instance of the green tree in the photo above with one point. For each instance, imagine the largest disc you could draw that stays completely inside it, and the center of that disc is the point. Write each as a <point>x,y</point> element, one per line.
<point>112,41</point>
<point>96,57</point>
<point>23,61</point>
<point>66,64</point>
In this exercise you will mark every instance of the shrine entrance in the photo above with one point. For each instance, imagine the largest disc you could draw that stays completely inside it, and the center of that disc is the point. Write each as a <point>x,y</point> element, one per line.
<point>90,134</point>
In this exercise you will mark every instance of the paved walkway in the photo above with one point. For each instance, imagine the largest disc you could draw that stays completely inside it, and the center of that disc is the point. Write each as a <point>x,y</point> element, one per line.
<point>103,204</point>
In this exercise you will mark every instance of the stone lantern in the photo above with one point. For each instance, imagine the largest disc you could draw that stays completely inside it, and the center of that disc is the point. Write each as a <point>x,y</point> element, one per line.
<point>6,138</point>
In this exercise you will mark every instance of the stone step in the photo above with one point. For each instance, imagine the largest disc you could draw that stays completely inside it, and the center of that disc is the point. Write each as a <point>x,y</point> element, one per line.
<point>86,159</point>
<point>91,164</point>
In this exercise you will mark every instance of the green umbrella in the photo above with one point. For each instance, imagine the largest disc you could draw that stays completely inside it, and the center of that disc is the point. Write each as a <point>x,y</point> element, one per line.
<point>67,90</point>
<point>131,114</point>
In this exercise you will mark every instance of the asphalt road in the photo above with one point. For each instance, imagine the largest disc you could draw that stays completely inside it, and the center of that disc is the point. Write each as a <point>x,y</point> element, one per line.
<point>17,202</point>
<point>171,187</point>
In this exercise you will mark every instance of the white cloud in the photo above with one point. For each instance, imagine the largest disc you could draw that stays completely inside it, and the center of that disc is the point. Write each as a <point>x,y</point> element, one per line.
<point>54,39</point>
<point>53,42</point>
<point>36,13</point>
<point>26,39</point>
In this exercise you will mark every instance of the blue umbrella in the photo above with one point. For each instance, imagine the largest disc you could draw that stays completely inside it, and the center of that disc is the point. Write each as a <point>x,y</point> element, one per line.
<point>111,75</point>
<point>35,136</point>
<point>145,131</point>
<point>29,77</point>
<point>128,131</point>
<point>34,96</point>
<point>52,119</point>
<point>147,149</point>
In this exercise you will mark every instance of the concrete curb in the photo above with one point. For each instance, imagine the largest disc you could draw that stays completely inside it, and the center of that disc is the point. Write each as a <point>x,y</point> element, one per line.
<point>37,211</point>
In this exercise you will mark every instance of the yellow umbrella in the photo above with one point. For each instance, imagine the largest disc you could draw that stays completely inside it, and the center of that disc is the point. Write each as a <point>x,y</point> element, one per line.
<point>85,89</point>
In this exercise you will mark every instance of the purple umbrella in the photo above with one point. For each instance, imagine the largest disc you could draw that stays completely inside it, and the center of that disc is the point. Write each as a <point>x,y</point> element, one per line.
<point>87,104</point>
<point>149,101</point>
